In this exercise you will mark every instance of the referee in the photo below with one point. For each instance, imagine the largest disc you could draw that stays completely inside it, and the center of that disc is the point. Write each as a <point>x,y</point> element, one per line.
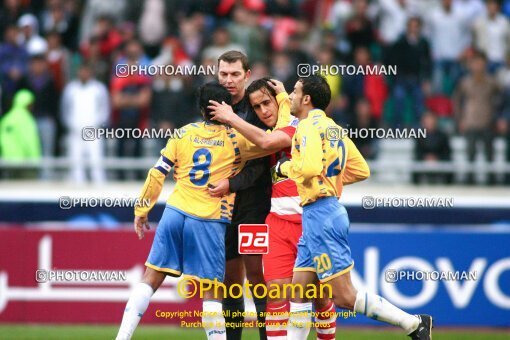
<point>252,203</point>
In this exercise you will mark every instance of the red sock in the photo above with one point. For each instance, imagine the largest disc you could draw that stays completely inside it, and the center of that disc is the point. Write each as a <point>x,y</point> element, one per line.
<point>277,316</point>
<point>326,322</point>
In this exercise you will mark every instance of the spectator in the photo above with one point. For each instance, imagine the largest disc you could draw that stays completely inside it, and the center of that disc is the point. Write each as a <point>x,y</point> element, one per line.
<point>259,70</point>
<point>431,150</point>
<point>325,57</point>
<point>201,79</point>
<point>172,96</point>
<point>58,60</point>
<point>131,49</point>
<point>107,35</point>
<point>40,82</point>
<point>85,103</point>
<point>449,35</point>
<point>19,138</point>
<point>286,8</point>
<point>221,43</point>
<point>155,19</point>
<point>283,69</point>
<point>371,87</point>
<point>492,35</point>
<point>33,42</point>
<point>100,65</point>
<point>13,65</point>
<point>330,41</point>
<point>172,103</point>
<point>296,51</point>
<point>364,120</point>
<point>172,52</point>
<point>340,12</point>
<point>69,33</point>
<point>192,35</point>
<point>106,13</point>
<point>131,98</point>
<point>282,29</point>
<point>10,13</point>
<point>359,28</point>
<point>411,55</point>
<point>245,31</point>
<point>475,102</point>
<point>126,33</point>
<point>338,111</point>
<point>393,15</point>
<point>54,18</point>
<point>152,25</point>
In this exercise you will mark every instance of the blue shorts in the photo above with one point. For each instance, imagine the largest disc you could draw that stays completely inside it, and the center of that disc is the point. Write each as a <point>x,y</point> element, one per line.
<point>323,247</point>
<point>187,245</point>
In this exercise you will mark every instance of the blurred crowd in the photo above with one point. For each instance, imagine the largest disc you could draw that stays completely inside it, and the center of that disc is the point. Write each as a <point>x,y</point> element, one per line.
<point>58,60</point>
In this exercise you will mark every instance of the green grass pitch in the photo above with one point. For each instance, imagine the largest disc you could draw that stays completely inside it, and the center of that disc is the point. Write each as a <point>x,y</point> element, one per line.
<point>12,332</point>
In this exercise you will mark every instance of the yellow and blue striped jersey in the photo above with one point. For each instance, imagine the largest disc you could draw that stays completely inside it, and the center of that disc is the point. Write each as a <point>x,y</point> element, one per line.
<point>205,153</point>
<point>323,160</point>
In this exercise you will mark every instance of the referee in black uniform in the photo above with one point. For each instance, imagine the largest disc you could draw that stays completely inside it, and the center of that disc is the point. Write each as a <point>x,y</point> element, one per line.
<point>253,198</point>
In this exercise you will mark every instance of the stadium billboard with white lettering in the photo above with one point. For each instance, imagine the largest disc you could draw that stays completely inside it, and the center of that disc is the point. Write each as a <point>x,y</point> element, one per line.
<point>379,253</point>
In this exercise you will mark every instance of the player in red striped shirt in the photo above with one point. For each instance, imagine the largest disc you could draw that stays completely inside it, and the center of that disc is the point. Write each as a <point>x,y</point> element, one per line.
<point>271,104</point>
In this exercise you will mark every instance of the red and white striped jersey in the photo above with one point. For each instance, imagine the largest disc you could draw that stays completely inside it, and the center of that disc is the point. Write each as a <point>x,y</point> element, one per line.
<point>285,201</point>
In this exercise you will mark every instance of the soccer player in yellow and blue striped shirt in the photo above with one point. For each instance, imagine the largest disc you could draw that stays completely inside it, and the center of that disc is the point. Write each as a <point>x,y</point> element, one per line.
<point>319,168</point>
<point>190,238</point>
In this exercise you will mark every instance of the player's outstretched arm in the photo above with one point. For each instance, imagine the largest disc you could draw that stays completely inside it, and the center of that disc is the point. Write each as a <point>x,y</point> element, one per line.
<point>153,186</point>
<point>150,193</point>
<point>356,168</point>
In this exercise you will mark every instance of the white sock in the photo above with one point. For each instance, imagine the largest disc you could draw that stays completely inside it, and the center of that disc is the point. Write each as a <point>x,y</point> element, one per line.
<point>378,308</point>
<point>213,321</point>
<point>300,320</point>
<point>135,307</point>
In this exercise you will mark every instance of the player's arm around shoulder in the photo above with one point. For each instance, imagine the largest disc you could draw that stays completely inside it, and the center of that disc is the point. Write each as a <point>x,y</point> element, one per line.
<point>249,150</point>
<point>356,167</point>
<point>276,140</point>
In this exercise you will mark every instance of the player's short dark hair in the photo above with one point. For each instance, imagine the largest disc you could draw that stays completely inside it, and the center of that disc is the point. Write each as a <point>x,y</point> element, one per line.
<point>260,84</point>
<point>233,56</point>
<point>318,89</point>
<point>212,91</point>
